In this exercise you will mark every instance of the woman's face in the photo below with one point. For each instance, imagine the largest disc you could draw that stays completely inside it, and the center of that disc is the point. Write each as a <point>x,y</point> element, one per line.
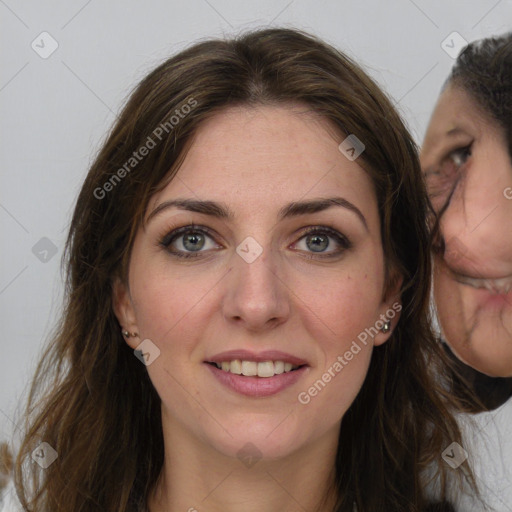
<point>467,166</point>
<point>225,273</point>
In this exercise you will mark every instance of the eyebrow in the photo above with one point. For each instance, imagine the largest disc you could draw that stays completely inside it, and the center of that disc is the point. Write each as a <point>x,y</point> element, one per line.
<point>294,209</point>
<point>456,131</point>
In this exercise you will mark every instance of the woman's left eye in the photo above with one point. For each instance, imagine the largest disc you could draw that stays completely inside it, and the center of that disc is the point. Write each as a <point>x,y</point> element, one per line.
<point>318,239</point>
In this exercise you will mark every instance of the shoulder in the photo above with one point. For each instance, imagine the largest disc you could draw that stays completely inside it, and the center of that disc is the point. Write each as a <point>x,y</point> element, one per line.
<point>488,446</point>
<point>490,427</point>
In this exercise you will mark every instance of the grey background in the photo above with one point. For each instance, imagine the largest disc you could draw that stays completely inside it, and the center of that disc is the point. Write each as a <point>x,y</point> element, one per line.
<point>56,111</point>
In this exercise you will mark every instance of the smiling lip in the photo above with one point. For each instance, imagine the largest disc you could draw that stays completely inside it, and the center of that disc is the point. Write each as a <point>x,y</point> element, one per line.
<point>260,357</point>
<point>257,386</point>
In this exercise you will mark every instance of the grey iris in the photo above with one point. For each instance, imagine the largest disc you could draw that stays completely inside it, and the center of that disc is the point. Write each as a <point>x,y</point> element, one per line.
<point>319,242</point>
<point>193,241</point>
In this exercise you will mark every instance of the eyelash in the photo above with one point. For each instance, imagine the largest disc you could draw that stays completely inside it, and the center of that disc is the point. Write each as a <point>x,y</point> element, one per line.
<point>175,234</point>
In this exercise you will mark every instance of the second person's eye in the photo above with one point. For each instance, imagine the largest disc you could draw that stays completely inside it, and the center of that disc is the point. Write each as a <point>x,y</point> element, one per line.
<point>460,156</point>
<point>445,176</point>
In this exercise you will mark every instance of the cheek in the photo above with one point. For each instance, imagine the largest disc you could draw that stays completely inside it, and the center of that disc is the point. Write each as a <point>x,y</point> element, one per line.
<point>343,319</point>
<point>166,296</point>
<point>448,301</point>
<point>347,301</point>
<point>344,342</point>
<point>341,315</point>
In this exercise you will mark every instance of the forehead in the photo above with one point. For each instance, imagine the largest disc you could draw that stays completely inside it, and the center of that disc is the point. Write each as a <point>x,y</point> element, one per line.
<point>267,153</point>
<point>455,109</point>
<point>457,117</point>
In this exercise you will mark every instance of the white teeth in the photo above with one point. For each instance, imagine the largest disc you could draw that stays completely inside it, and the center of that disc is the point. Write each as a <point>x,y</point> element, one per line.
<point>502,285</point>
<point>266,369</point>
<point>249,368</point>
<point>252,368</point>
<point>278,367</point>
<point>235,367</point>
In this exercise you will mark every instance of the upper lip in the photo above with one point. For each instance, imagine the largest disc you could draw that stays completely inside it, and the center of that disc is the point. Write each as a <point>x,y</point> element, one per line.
<point>258,357</point>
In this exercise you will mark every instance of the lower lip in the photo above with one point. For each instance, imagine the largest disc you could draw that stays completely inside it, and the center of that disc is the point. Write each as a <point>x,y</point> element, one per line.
<point>257,386</point>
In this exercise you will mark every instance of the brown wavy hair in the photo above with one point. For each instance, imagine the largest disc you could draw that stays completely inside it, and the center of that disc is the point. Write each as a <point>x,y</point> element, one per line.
<point>6,464</point>
<point>93,401</point>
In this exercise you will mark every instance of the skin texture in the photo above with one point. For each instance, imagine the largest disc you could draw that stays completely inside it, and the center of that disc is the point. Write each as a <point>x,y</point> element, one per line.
<point>255,161</point>
<point>476,323</point>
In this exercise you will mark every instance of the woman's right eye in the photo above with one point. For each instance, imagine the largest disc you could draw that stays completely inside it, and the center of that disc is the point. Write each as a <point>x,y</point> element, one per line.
<point>189,241</point>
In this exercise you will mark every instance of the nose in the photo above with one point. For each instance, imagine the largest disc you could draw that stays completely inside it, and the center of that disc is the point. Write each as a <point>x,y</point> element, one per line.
<point>476,225</point>
<point>256,298</point>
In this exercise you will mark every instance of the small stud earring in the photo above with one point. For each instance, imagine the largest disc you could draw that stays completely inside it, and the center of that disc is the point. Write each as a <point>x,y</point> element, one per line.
<point>127,334</point>
<point>386,327</point>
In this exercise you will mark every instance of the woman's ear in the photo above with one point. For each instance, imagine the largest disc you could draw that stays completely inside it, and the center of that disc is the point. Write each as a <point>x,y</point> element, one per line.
<point>391,308</point>
<point>125,311</point>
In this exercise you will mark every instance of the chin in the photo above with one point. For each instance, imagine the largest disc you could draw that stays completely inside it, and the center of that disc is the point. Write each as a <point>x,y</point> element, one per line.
<point>491,368</point>
<point>478,356</point>
<point>250,447</point>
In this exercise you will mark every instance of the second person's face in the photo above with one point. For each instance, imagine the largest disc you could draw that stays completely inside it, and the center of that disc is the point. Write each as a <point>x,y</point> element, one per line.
<point>468,172</point>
